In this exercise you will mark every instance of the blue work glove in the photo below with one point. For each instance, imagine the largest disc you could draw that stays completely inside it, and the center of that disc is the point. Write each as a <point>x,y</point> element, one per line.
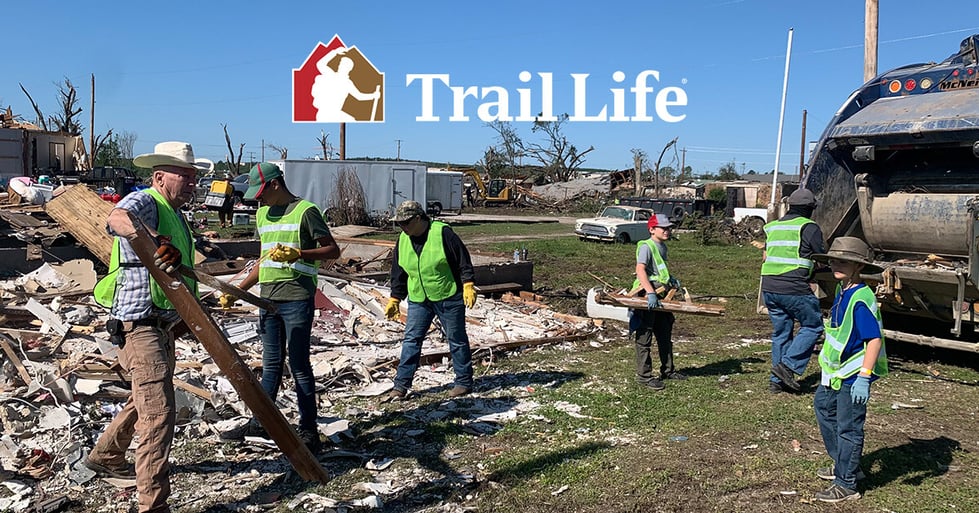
<point>674,283</point>
<point>860,390</point>
<point>652,301</point>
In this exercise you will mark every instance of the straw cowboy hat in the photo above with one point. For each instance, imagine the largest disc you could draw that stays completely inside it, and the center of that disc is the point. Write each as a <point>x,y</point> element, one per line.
<point>851,249</point>
<point>170,153</point>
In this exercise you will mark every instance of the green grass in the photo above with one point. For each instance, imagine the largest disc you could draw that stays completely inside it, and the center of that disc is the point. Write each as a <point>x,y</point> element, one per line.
<point>742,446</point>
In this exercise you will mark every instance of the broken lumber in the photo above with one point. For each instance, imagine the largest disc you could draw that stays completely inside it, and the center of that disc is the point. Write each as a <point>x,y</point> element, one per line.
<point>205,330</point>
<point>14,359</point>
<point>82,213</point>
<point>637,303</point>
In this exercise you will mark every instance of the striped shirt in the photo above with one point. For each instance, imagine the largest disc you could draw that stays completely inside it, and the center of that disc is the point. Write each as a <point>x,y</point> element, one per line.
<point>133,300</point>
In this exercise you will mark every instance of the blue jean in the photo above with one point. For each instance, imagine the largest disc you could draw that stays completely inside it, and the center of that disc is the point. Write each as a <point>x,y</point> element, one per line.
<point>785,310</point>
<point>289,329</point>
<point>841,424</point>
<point>452,313</point>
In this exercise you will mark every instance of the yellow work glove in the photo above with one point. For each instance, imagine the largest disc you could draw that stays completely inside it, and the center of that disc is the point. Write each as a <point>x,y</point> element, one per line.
<point>226,301</point>
<point>469,294</point>
<point>282,253</point>
<point>392,312</point>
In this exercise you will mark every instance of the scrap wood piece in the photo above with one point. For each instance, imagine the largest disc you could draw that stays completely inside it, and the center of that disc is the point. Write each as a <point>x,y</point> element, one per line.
<point>519,300</point>
<point>82,213</point>
<point>606,298</point>
<point>207,332</point>
<point>511,344</point>
<point>52,319</point>
<point>14,359</point>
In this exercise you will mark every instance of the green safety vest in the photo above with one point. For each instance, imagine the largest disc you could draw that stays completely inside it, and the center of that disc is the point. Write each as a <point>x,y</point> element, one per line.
<point>285,231</point>
<point>782,247</point>
<point>662,273</point>
<point>169,223</point>
<point>836,339</point>
<point>429,274</point>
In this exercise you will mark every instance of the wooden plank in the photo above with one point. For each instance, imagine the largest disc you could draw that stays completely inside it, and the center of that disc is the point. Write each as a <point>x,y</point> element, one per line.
<point>14,359</point>
<point>82,213</point>
<point>498,288</point>
<point>639,303</point>
<point>205,330</point>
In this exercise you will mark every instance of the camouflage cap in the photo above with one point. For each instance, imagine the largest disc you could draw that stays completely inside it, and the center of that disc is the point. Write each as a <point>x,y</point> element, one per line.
<point>407,210</point>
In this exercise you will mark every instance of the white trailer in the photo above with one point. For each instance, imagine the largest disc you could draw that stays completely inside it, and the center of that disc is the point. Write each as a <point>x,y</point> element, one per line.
<point>386,184</point>
<point>444,190</point>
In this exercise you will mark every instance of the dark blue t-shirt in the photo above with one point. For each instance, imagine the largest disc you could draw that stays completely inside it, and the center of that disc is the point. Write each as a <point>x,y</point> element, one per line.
<point>865,326</point>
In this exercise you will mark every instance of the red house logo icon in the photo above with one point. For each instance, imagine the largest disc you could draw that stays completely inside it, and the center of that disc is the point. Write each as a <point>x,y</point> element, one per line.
<point>337,84</point>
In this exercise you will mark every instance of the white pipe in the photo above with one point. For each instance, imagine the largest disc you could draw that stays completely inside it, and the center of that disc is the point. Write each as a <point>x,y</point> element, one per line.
<point>781,120</point>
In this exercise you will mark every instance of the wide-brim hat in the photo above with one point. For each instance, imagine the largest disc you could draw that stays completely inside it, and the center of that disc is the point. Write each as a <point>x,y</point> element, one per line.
<point>260,175</point>
<point>851,249</point>
<point>406,210</point>
<point>169,153</point>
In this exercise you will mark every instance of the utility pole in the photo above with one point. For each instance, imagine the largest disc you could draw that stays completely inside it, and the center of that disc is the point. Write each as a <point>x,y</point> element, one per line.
<point>263,149</point>
<point>802,147</point>
<point>683,163</point>
<point>870,40</point>
<point>399,148</point>
<point>251,158</point>
<point>91,129</point>
<point>343,141</point>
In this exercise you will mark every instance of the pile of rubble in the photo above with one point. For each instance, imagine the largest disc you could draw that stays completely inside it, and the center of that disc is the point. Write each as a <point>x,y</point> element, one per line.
<point>60,382</point>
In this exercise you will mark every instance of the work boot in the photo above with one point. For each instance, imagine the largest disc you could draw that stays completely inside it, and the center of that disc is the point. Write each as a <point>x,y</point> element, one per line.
<point>458,391</point>
<point>311,439</point>
<point>677,375</point>
<point>655,384</point>
<point>775,388</point>
<point>250,428</point>
<point>124,471</point>
<point>785,374</point>
<point>829,473</point>
<point>836,493</point>
<point>393,395</point>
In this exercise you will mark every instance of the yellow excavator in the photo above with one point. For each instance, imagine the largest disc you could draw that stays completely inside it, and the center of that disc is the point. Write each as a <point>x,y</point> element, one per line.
<point>496,192</point>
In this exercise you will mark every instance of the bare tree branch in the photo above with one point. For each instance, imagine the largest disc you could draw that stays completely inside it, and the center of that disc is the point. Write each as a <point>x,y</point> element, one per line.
<point>283,152</point>
<point>65,120</point>
<point>37,110</point>
<point>234,163</point>
<point>327,148</point>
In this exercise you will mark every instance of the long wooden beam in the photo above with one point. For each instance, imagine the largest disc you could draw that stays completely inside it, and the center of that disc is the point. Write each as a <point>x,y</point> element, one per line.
<point>639,303</point>
<point>227,359</point>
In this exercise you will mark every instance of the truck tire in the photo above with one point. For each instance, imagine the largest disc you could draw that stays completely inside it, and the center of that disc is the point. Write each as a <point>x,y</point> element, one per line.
<point>435,209</point>
<point>755,226</point>
<point>678,214</point>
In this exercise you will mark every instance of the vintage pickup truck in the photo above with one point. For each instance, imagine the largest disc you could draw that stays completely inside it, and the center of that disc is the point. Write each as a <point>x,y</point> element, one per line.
<point>616,223</point>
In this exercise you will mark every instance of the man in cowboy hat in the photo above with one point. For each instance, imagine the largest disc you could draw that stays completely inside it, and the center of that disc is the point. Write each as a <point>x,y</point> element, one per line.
<point>141,321</point>
<point>432,268</point>
<point>653,278</point>
<point>294,239</point>
<point>785,285</point>
<point>852,357</point>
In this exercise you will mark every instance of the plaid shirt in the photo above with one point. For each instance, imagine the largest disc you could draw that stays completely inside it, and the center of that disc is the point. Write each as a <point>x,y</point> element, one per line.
<point>133,300</point>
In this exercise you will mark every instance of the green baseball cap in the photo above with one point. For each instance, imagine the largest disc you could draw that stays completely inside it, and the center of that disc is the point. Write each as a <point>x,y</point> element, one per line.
<point>260,175</point>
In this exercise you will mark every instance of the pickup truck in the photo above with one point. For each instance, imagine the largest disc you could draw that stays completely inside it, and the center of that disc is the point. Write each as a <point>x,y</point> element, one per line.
<point>618,223</point>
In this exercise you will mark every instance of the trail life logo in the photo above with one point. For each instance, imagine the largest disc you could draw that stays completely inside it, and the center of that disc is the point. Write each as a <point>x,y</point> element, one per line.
<point>337,84</point>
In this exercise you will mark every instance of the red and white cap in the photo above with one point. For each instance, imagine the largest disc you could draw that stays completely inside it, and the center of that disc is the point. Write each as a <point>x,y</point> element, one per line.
<point>659,220</point>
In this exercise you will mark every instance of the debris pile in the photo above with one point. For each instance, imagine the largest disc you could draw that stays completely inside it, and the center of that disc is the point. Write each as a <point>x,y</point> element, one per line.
<point>60,382</point>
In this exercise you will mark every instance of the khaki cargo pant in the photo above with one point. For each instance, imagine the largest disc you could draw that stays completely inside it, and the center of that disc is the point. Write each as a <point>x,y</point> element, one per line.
<point>149,357</point>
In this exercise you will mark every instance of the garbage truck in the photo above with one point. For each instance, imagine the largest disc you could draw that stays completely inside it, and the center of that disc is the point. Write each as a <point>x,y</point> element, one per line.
<point>898,166</point>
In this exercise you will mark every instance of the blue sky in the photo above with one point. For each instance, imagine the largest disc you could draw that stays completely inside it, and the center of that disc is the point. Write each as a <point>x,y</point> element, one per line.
<point>179,70</point>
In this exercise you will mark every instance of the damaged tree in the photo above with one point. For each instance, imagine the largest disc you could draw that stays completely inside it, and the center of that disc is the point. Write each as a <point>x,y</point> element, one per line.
<point>233,163</point>
<point>348,201</point>
<point>560,158</point>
